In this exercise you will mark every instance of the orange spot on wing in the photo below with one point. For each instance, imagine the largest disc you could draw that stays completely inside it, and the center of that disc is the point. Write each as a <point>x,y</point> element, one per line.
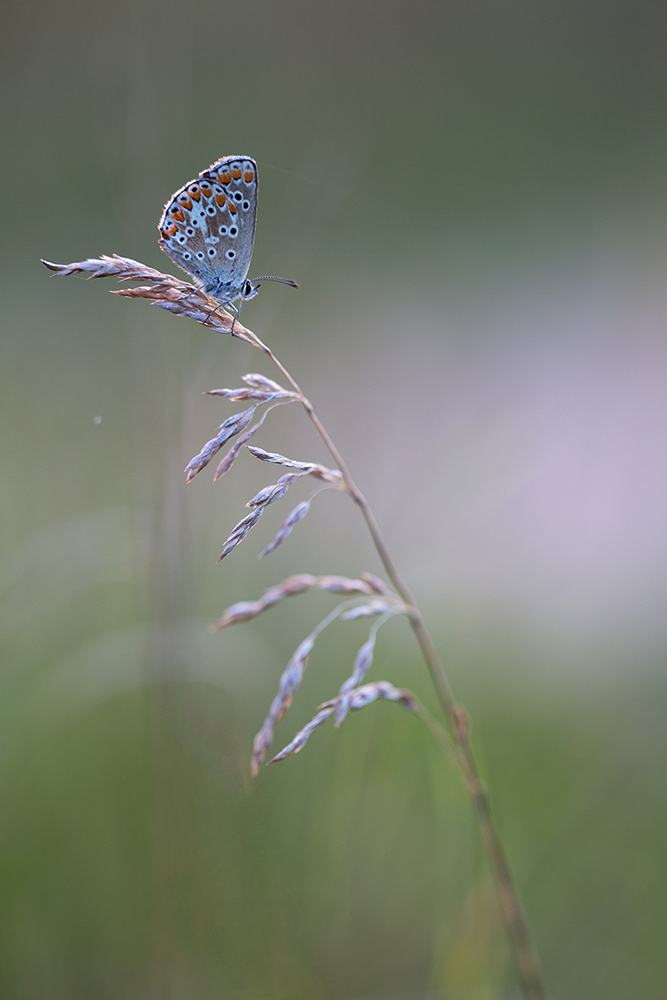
<point>232,208</point>
<point>178,215</point>
<point>169,230</point>
<point>220,198</point>
<point>207,192</point>
<point>224,177</point>
<point>236,174</point>
<point>195,193</point>
<point>248,176</point>
<point>184,200</point>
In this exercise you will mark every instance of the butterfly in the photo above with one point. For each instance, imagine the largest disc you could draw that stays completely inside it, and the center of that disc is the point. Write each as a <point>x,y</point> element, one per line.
<point>208,229</point>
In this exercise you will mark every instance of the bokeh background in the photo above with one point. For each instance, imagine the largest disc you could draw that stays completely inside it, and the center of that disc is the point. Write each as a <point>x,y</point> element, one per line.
<point>473,197</point>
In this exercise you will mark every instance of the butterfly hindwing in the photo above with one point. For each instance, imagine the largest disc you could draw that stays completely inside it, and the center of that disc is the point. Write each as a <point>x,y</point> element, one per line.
<point>208,225</point>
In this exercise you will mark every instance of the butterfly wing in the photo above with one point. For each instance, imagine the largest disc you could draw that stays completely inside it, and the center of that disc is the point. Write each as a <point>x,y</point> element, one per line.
<point>208,225</point>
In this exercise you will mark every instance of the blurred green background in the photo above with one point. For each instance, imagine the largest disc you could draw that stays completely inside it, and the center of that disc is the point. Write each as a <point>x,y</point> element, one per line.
<point>473,197</point>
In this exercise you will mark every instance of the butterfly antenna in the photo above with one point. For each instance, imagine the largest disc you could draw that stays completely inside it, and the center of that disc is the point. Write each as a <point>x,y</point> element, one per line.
<point>283,281</point>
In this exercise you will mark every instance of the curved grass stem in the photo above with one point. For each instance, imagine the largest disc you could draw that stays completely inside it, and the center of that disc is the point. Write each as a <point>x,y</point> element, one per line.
<point>525,956</point>
<point>189,300</point>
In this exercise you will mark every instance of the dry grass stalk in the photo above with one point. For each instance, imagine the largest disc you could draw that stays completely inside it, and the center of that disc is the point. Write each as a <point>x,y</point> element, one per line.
<point>172,294</point>
<point>185,299</point>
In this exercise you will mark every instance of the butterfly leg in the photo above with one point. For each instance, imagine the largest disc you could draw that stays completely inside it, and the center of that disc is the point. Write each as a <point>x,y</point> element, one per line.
<point>212,313</point>
<point>219,306</point>
<point>237,310</point>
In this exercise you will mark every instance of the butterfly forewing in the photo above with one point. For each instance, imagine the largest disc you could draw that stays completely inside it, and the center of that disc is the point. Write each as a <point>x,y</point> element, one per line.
<point>208,226</point>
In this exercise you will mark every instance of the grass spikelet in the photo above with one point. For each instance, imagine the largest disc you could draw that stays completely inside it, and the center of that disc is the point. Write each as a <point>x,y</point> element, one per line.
<point>269,494</point>
<point>240,531</point>
<point>258,381</point>
<point>299,584</point>
<point>233,453</point>
<point>231,427</point>
<point>358,699</point>
<point>289,682</point>
<point>286,527</point>
<point>376,607</point>
<point>311,468</point>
